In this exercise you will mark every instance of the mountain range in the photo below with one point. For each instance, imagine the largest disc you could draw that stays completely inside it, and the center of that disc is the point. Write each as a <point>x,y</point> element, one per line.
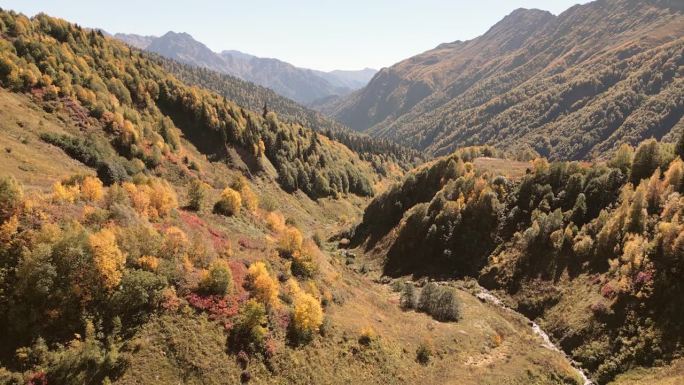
<point>571,86</point>
<point>300,84</point>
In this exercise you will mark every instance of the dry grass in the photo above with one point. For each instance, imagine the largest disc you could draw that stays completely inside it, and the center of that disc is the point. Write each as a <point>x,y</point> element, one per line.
<point>672,374</point>
<point>37,165</point>
<point>509,168</point>
<point>488,346</point>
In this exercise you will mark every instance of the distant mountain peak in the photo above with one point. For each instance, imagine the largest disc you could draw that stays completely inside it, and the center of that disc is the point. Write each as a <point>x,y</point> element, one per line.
<point>183,35</point>
<point>300,84</point>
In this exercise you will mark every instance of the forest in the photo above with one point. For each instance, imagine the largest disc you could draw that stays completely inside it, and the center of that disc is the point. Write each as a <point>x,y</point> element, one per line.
<point>613,227</point>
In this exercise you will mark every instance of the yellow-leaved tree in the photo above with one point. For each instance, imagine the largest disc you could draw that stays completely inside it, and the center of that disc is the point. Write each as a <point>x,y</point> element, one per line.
<point>290,242</point>
<point>229,203</point>
<point>162,199</point>
<point>64,193</point>
<point>108,259</point>
<point>263,287</point>
<point>307,315</point>
<point>92,189</point>
<point>250,201</point>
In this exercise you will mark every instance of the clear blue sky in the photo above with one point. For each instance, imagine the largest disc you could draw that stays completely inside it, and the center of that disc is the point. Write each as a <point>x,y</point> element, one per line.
<point>319,34</point>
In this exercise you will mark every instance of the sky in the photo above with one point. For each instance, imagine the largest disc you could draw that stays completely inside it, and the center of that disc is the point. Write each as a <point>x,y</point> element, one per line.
<point>318,34</point>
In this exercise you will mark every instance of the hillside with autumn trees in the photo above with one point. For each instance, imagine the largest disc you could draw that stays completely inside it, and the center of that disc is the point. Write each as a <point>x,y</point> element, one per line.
<point>154,231</point>
<point>593,252</point>
<point>164,224</point>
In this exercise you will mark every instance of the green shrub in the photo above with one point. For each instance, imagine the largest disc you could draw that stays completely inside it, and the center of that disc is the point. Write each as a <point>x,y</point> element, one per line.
<point>11,195</point>
<point>197,192</point>
<point>139,294</point>
<point>424,353</point>
<point>92,153</point>
<point>440,302</point>
<point>218,280</point>
<point>249,332</point>
<point>408,299</point>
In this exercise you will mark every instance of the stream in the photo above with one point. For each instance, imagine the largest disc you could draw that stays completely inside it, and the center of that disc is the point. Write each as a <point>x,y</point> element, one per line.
<point>486,296</point>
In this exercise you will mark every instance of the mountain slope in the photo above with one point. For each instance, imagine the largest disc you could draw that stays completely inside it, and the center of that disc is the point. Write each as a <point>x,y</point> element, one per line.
<point>300,84</point>
<point>570,86</point>
<point>137,41</point>
<point>592,252</point>
<point>383,154</point>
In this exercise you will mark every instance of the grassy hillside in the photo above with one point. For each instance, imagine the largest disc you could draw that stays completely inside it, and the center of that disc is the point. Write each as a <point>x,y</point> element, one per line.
<point>145,110</point>
<point>572,86</point>
<point>590,250</point>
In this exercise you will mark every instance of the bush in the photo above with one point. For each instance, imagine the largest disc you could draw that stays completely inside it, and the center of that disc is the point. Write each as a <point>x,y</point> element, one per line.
<point>427,296</point>
<point>91,189</point>
<point>367,336</point>
<point>447,307</point>
<point>65,193</point>
<point>140,294</point>
<point>275,221</point>
<point>197,193</point>
<point>290,242</point>
<point>440,302</point>
<point>92,153</point>
<point>229,203</point>
<point>408,298</point>
<point>250,201</point>
<point>11,195</point>
<point>162,199</point>
<point>303,266</point>
<point>424,353</point>
<point>249,331</point>
<point>218,280</point>
<point>307,316</point>
<point>264,287</point>
<point>148,263</point>
<point>108,259</point>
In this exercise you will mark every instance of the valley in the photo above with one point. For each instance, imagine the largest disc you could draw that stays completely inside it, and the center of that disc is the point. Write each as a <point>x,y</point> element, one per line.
<point>503,210</point>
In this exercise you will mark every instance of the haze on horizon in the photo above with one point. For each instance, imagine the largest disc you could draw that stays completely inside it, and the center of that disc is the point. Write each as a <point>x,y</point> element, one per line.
<point>323,35</point>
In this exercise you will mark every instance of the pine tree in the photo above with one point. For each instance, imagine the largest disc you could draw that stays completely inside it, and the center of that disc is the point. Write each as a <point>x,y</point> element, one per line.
<point>408,296</point>
<point>679,147</point>
<point>646,160</point>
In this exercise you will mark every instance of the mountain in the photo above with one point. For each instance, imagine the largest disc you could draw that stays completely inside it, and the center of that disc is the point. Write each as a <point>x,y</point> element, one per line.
<point>300,84</point>
<point>349,79</point>
<point>572,86</point>
<point>137,41</point>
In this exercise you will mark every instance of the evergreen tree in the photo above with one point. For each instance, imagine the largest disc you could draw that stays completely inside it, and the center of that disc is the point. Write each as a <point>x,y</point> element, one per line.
<point>679,147</point>
<point>646,160</point>
<point>408,296</point>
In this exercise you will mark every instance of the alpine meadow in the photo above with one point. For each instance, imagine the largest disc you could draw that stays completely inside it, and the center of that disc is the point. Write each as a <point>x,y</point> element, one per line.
<point>502,210</point>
